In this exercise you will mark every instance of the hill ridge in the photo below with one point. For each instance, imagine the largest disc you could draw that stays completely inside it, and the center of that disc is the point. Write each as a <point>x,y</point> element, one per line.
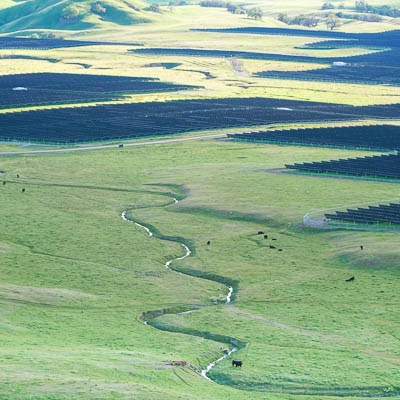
<point>67,15</point>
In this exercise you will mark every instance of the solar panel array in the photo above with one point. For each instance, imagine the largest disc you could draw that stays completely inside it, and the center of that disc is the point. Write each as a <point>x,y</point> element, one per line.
<point>383,166</point>
<point>50,88</point>
<point>370,137</point>
<point>130,120</point>
<point>382,214</point>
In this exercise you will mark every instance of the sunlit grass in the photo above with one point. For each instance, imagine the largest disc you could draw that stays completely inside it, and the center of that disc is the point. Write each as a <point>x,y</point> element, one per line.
<point>76,277</point>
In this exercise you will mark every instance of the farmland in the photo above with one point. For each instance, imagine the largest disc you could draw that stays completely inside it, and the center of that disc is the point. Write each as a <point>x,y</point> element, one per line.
<point>150,231</point>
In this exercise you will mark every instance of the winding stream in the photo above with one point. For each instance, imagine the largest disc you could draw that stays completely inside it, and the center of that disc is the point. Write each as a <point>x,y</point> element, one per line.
<point>206,370</point>
<point>149,317</point>
<point>188,252</point>
<point>123,216</point>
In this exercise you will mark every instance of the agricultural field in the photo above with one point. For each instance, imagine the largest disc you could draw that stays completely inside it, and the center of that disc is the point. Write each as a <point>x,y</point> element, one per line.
<point>161,235</point>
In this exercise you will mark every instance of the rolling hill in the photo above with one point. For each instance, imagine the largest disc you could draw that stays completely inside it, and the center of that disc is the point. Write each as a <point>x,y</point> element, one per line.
<point>67,15</point>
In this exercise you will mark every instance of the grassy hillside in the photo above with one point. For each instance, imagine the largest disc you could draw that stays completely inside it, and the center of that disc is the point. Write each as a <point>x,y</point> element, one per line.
<point>76,277</point>
<point>112,15</point>
<point>67,15</point>
<point>78,282</point>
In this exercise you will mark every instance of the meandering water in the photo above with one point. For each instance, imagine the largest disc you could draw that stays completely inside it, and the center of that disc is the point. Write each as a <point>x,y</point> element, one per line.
<point>235,344</point>
<point>206,370</point>
<point>188,252</point>
<point>149,232</point>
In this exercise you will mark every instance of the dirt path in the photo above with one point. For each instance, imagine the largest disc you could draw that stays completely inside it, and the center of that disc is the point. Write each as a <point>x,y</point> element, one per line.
<point>113,146</point>
<point>238,68</point>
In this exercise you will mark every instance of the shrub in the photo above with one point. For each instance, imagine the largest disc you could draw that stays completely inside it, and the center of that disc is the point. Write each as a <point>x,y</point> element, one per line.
<point>327,6</point>
<point>98,8</point>
<point>70,13</point>
<point>235,9</point>
<point>155,8</point>
<point>214,3</point>
<point>255,13</point>
<point>332,21</point>
<point>283,17</point>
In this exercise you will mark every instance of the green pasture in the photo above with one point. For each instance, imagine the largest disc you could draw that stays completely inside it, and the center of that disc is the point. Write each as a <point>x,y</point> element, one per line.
<point>78,282</point>
<point>76,278</point>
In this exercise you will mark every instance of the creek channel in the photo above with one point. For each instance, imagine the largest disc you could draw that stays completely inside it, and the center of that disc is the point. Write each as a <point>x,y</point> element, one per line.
<point>148,317</point>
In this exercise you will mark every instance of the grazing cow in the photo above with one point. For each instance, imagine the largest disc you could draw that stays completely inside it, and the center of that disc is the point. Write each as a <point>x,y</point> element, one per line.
<point>17,175</point>
<point>236,363</point>
<point>23,190</point>
<point>265,236</point>
<point>272,247</point>
<point>351,279</point>
<point>260,233</point>
<point>273,238</point>
<point>362,247</point>
<point>4,182</point>
<point>279,249</point>
<point>208,243</point>
<point>120,145</point>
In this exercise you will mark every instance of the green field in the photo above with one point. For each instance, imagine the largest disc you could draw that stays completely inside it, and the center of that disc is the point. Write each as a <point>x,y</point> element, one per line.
<point>89,309</point>
<point>76,277</point>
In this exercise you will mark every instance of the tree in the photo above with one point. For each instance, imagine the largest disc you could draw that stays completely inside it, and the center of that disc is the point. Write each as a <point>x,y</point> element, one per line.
<point>362,6</point>
<point>255,13</point>
<point>70,13</point>
<point>283,17</point>
<point>304,20</point>
<point>155,8</point>
<point>235,9</point>
<point>213,3</point>
<point>98,8</point>
<point>298,20</point>
<point>310,22</point>
<point>327,6</point>
<point>172,4</point>
<point>332,21</point>
<point>48,35</point>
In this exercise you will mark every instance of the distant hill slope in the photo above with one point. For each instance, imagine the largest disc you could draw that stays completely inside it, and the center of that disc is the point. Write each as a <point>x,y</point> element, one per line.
<point>73,15</point>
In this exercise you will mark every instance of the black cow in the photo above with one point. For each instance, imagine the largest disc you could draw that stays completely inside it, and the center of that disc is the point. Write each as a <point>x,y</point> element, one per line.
<point>236,363</point>
<point>362,247</point>
<point>272,247</point>
<point>4,182</point>
<point>265,236</point>
<point>23,190</point>
<point>260,233</point>
<point>120,145</point>
<point>208,243</point>
<point>351,279</point>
